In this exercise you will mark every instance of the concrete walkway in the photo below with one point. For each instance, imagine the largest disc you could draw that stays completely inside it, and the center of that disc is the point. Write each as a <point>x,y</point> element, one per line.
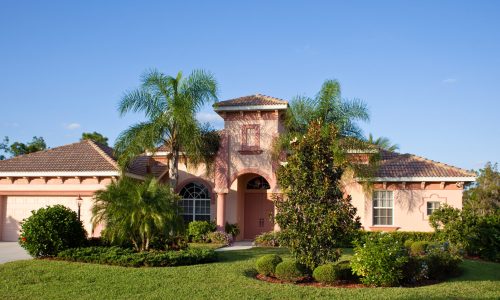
<point>243,245</point>
<point>11,251</point>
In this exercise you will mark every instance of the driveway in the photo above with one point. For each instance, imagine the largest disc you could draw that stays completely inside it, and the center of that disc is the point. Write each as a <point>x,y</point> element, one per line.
<point>10,251</point>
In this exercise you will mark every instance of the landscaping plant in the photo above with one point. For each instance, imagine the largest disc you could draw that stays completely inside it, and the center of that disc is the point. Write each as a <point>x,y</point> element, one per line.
<point>266,265</point>
<point>314,215</point>
<point>291,271</point>
<point>268,239</point>
<point>50,230</point>
<point>198,230</point>
<point>137,212</point>
<point>219,237</point>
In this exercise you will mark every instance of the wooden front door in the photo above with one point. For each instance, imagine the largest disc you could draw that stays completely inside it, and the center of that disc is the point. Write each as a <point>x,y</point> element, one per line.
<point>259,213</point>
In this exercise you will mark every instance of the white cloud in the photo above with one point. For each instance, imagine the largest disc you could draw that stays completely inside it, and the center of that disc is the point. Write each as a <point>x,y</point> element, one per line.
<point>209,117</point>
<point>72,126</point>
<point>449,80</point>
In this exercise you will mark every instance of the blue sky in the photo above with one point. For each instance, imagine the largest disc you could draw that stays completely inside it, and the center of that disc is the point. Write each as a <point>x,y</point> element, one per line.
<point>428,70</point>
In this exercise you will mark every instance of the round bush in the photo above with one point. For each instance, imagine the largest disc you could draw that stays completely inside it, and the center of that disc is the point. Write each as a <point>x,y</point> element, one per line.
<point>330,273</point>
<point>325,273</point>
<point>266,265</point>
<point>419,248</point>
<point>51,230</point>
<point>291,271</point>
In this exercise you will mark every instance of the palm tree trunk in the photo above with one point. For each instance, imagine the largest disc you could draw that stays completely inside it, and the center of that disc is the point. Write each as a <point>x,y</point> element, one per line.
<point>173,171</point>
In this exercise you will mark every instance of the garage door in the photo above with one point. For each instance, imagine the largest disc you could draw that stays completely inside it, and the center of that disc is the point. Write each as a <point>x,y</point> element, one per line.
<point>17,208</point>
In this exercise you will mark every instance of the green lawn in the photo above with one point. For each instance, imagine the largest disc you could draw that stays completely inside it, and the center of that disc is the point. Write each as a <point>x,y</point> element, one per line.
<point>227,279</point>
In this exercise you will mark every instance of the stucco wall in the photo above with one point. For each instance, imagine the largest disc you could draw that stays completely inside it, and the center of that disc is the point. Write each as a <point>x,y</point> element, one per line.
<point>409,212</point>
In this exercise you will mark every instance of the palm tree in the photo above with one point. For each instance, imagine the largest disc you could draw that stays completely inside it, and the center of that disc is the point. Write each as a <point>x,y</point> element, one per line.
<point>170,104</point>
<point>137,212</point>
<point>327,107</point>
<point>382,143</point>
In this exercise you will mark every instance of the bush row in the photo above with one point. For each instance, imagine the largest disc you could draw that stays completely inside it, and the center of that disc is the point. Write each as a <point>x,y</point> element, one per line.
<point>129,258</point>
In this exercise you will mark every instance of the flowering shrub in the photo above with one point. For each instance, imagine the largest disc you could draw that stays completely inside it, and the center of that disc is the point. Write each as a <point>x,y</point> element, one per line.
<point>198,230</point>
<point>219,237</point>
<point>50,230</point>
<point>268,239</point>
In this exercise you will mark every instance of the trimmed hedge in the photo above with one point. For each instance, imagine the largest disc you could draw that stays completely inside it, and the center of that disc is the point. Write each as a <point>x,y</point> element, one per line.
<point>266,265</point>
<point>291,271</point>
<point>401,236</point>
<point>129,258</point>
<point>330,273</point>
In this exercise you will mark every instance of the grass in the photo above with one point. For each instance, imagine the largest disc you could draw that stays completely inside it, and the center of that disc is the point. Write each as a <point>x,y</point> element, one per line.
<point>206,245</point>
<point>230,278</point>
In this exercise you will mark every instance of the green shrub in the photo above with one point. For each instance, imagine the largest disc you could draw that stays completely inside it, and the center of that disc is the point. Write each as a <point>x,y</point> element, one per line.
<point>380,260</point>
<point>166,242</point>
<point>268,239</point>
<point>232,229</point>
<point>219,237</point>
<point>441,261</point>
<point>129,258</point>
<point>419,248</point>
<point>291,271</point>
<point>266,265</point>
<point>198,230</point>
<point>51,230</point>
<point>401,236</point>
<point>330,273</point>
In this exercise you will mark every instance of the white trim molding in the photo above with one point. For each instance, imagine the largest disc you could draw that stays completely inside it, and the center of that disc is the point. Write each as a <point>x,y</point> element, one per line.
<point>251,107</point>
<point>419,179</point>
<point>60,174</point>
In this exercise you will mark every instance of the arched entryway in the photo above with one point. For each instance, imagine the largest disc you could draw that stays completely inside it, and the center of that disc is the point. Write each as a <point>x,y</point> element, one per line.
<point>258,206</point>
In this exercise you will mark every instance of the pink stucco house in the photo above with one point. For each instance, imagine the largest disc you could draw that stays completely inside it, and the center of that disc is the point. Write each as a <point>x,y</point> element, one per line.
<point>407,187</point>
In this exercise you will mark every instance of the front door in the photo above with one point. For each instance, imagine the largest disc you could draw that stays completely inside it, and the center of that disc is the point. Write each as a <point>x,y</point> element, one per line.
<point>259,213</point>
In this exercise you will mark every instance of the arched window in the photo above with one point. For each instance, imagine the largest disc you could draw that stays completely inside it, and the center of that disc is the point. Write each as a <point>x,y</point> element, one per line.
<point>258,183</point>
<point>195,202</point>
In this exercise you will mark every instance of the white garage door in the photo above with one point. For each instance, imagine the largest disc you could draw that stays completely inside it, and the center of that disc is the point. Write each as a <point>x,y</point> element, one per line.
<point>17,208</point>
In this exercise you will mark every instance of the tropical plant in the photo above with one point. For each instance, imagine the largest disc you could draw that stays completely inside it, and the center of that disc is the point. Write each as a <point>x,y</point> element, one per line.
<point>170,105</point>
<point>315,217</point>
<point>95,136</point>
<point>382,143</point>
<point>232,229</point>
<point>137,212</point>
<point>483,198</point>
<point>50,230</point>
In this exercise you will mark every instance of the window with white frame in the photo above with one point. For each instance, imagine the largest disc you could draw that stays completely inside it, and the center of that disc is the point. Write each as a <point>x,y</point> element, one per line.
<point>195,202</point>
<point>383,205</point>
<point>432,206</point>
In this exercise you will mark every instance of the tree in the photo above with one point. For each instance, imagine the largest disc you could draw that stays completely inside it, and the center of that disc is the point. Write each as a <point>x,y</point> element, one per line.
<point>18,148</point>
<point>484,197</point>
<point>170,105</point>
<point>137,212</point>
<point>314,215</point>
<point>95,136</point>
<point>382,143</point>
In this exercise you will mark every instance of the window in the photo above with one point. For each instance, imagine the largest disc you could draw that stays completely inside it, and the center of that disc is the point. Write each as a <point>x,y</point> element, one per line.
<point>195,202</point>
<point>251,137</point>
<point>258,183</point>
<point>432,206</point>
<point>383,202</point>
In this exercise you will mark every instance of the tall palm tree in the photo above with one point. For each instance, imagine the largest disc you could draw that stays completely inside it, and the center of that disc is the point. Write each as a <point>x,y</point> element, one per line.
<point>170,104</point>
<point>327,107</point>
<point>382,143</point>
<point>137,212</point>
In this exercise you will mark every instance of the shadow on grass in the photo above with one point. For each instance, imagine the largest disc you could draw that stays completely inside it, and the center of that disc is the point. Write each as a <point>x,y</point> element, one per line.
<point>476,270</point>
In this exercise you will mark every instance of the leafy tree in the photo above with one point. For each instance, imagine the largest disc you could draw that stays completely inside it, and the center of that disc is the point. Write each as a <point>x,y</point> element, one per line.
<point>18,148</point>
<point>382,143</point>
<point>95,136</point>
<point>137,212</point>
<point>484,197</point>
<point>314,215</point>
<point>170,105</point>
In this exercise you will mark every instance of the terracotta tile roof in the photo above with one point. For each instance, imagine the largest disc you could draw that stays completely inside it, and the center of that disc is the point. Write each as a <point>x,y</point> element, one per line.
<point>252,100</point>
<point>143,165</point>
<point>84,156</point>
<point>394,164</point>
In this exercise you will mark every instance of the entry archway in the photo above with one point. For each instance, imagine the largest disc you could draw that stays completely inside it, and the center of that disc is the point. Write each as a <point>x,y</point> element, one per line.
<point>258,206</point>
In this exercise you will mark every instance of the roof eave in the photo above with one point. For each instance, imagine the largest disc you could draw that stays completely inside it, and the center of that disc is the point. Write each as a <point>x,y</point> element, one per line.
<point>250,107</point>
<point>419,179</point>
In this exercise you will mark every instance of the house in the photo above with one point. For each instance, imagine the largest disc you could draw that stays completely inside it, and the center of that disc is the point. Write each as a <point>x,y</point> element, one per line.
<point>406,190</point>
